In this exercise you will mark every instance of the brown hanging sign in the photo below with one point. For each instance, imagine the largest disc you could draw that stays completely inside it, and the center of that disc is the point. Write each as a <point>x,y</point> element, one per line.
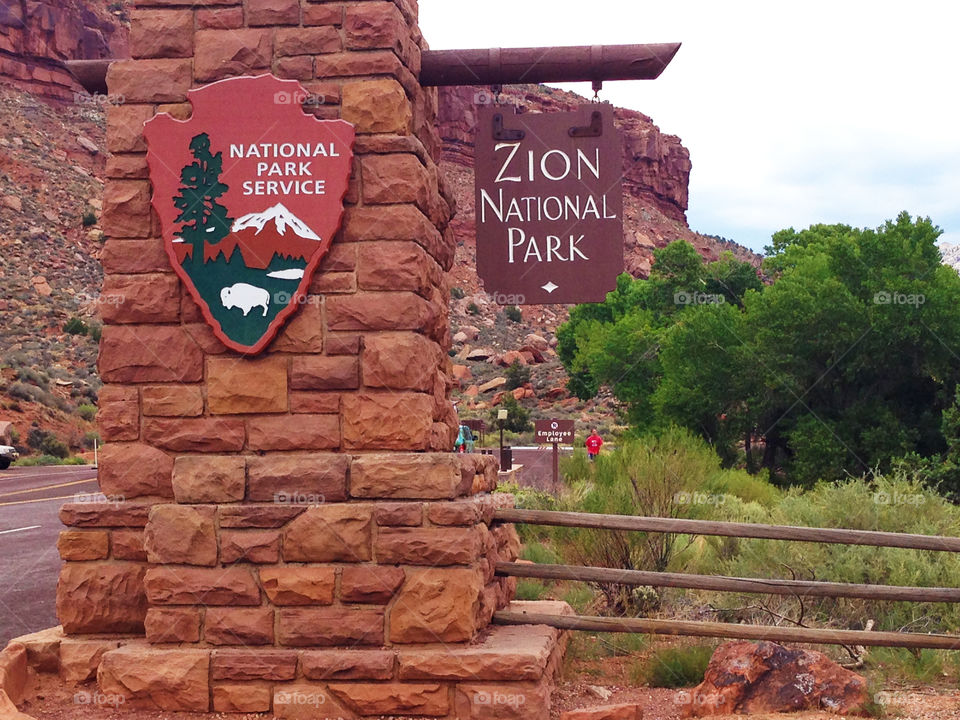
<point>549,205</point>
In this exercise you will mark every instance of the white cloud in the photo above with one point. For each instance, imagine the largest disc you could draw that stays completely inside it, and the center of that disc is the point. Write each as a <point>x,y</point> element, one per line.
<point>794,114</point>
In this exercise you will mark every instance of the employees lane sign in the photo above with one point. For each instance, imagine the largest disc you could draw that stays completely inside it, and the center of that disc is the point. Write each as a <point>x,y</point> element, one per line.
<point>553,431</point>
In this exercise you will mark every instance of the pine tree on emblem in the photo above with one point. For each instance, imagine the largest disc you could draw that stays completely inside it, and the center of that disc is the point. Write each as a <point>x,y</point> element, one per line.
<point>205,219</point>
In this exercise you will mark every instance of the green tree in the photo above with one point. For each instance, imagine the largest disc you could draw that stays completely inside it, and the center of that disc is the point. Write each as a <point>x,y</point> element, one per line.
<point>854,365</point>
<point>75,326</point>
<point>617,343</point>
<point>518,417</point>
<point>845,362</point>
<point>517,375</point>
<point>205,219</point>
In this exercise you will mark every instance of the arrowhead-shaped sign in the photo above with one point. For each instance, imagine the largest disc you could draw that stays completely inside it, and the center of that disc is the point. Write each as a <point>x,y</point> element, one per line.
<point>249,192</point>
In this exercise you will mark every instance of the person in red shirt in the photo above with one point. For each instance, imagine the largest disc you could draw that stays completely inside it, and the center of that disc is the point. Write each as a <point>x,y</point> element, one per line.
<point>594,443</point>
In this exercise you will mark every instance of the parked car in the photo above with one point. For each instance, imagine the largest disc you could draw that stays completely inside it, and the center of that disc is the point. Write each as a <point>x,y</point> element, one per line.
<point>7,455</point>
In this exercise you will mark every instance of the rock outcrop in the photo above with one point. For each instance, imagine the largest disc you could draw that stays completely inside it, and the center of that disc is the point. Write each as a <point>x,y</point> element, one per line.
<point>745,677</point>
<point>36,37</point>
<point>951,254</point>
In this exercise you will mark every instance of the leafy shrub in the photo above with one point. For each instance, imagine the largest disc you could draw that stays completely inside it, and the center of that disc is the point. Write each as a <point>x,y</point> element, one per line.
<point>473,309</point>
<point>52,445</point>
<point>675,667</point>
<point>540,554</point>
<point>37,460</point>
<point>76,326</point>
<point>530,499</point>
<point>96,331</point>
<point>87,412</point>
<point>895,503</point>
<point>581,598</point>
<point>35,437</point>
<point>528,589</point>
<point>643,476</point>
<point>576,468</point>
<point>646,476</point>
<point>926,666</point>
<point>28,374</point>
<point>89,218</point>
<point>517,375</point>
<point>20,390</point>
<point>514,314</point>
<point>48,460</point>
<point>748,488</point>
<point>457,293</point>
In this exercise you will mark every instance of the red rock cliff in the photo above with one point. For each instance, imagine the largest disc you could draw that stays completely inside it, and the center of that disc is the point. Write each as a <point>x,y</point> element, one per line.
<point>35,37</point>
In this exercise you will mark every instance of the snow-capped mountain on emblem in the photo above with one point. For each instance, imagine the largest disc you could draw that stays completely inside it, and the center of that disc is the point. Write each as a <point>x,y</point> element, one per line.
<point>281,219</point>
<point>249,202</point>
<point>262,235</point>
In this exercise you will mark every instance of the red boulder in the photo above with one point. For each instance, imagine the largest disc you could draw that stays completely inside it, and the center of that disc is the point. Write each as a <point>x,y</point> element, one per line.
<point>745,677</point>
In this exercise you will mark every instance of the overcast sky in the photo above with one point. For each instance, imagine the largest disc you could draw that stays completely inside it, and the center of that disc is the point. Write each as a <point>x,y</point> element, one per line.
<point>794,113</point>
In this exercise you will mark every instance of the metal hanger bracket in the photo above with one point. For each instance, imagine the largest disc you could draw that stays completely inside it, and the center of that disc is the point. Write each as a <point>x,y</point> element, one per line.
<point>505,134</point>
<point>594,129</point>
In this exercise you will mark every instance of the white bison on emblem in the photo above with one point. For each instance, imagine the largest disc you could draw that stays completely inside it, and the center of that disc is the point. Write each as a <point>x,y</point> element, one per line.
<point>246,297</point>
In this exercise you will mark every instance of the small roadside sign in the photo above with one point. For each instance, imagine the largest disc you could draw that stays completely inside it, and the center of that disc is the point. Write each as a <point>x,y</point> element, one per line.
<point>554,431</point>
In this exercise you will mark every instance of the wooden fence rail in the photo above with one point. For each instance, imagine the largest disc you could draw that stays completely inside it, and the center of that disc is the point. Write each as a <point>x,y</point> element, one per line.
<point>732,630</point>
<point>730,529</point>
<point>731,584</point>
<point>803,588</point>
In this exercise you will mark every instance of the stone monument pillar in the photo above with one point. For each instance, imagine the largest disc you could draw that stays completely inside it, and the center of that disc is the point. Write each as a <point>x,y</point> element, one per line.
<point>290,532</point>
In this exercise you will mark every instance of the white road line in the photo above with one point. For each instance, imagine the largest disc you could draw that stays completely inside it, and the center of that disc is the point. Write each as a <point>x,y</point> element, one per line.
<point>39,471</point>
<point>7,532</point>
<point>47,487</point>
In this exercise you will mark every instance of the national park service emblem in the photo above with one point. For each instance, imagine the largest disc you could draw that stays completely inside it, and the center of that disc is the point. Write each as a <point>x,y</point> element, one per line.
<point>249,192</point>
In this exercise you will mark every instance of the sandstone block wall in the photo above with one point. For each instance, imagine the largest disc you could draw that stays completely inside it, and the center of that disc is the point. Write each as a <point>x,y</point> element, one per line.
<point>372,567</point>
<point>363,366</point>
<point>285,526</point>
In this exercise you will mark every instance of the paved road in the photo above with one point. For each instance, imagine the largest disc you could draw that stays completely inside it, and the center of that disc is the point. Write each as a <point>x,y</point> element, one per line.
<point>30,499</point>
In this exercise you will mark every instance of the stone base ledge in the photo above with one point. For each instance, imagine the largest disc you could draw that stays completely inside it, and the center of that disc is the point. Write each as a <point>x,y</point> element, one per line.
<point>507,673</point>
